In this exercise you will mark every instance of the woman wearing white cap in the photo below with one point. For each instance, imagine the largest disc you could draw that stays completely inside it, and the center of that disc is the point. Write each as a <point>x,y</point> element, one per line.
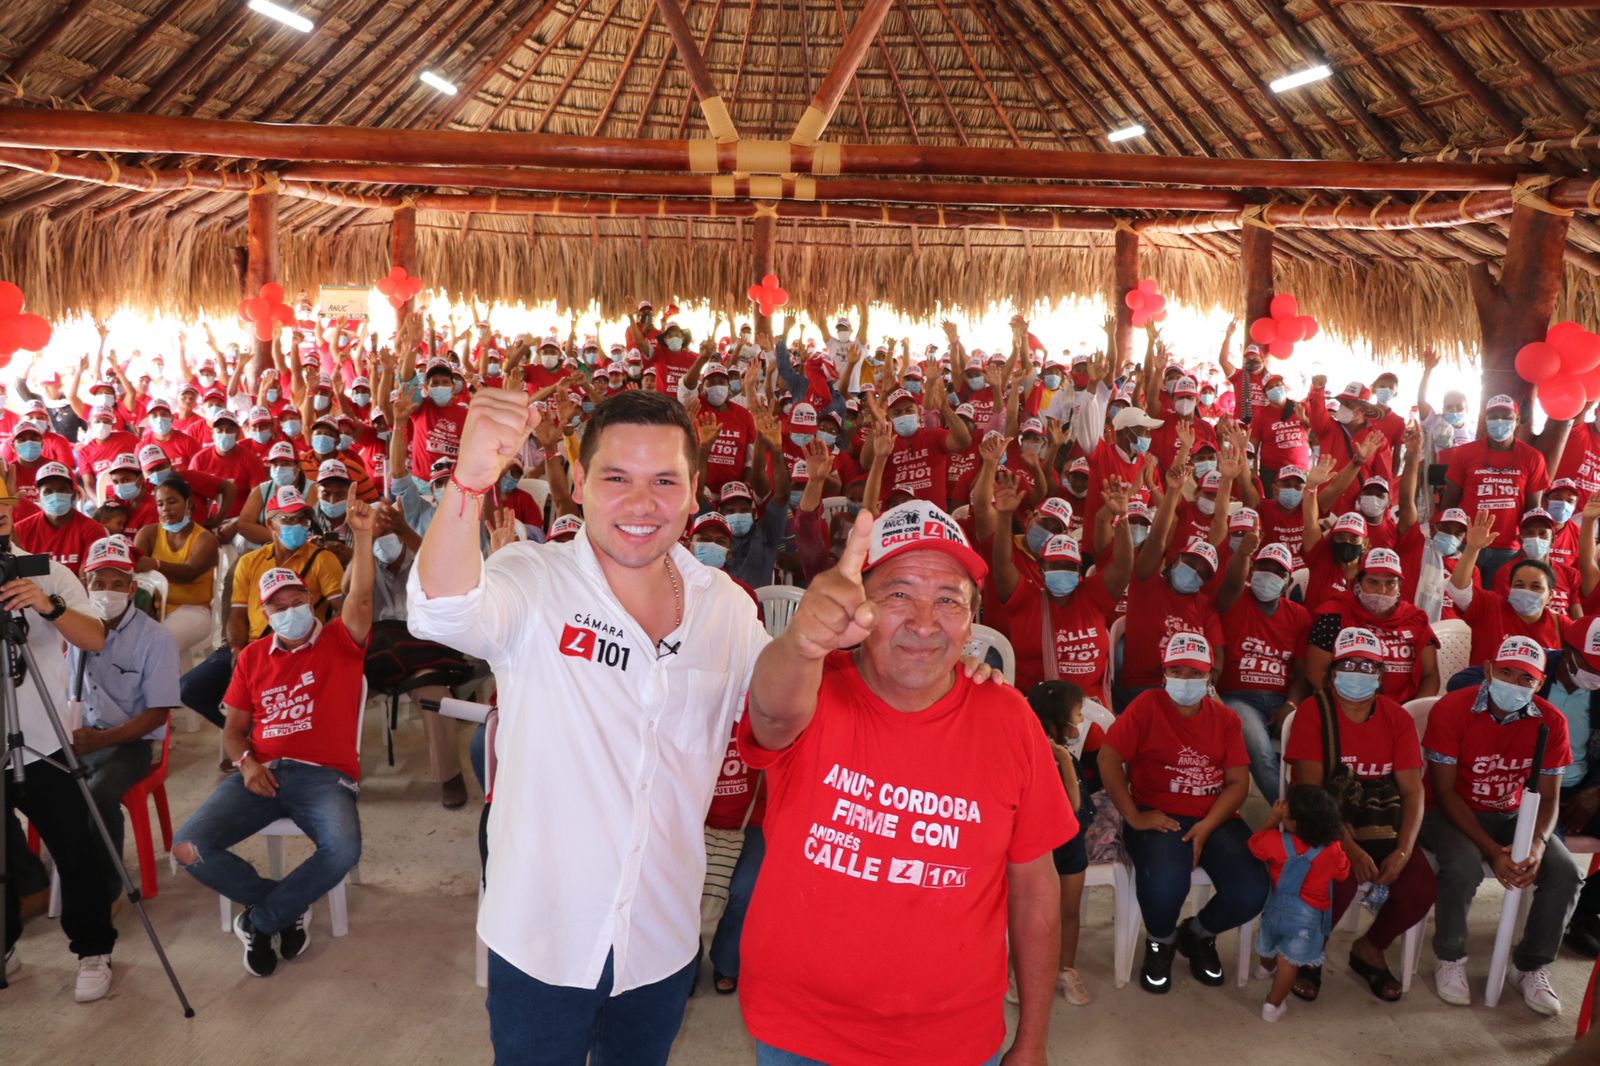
<point>1524,609</point>
<point>1410,649</point>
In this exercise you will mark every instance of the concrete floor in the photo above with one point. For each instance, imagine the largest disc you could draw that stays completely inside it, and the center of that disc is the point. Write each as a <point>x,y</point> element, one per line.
<point>399,988</point>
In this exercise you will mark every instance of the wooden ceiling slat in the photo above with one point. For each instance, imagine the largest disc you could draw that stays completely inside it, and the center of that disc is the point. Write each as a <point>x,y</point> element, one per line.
<point>1011,49</point>
<point>303,46</point>
<point>514,41</point>
<point>1252,76</point>
<point>158,18</point>
<point>1379,70</point>
<point>1202,103</point>
<point>972,61</point>
<point>47,36</point>
<point>406,80</point>
<point>576,65</point>
<point>1433,42</point>
<point>1223,82</point>
<point>622,75</point>
<point>216,37</point>
<point>933,75</point>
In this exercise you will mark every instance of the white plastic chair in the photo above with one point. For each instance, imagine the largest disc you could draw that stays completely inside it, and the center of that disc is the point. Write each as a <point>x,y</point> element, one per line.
<point>338,903</point>
<point>778,603</point>
<point>983,638</point>
<point>155,583</point>
<point>1200,890</point>
<point>961,513</point>
<point>832,505</point>
<point>538,488</point>
<point>489,717</point>
<point>1455,647</point>
<point>1118,876</point>
<point>1299,579</point>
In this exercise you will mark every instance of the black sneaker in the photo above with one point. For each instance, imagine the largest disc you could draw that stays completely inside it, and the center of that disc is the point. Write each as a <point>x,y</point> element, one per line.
<point>259,958</point>
<point>293,941</point>
<point>1157,973</point>
<point>1202,955</point>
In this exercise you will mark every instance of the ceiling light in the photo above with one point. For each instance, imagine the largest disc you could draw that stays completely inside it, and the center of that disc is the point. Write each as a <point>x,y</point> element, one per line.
<point>1125,133</point>
<point>282,14</point>
<point>1304,77</point>
<point>428,77</point>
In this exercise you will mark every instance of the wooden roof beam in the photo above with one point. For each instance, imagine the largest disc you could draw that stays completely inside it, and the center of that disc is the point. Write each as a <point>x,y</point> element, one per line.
<point>1274,102</point>
<point>1379,70</point>
<point>1506,32</point>
<point>899,90</point>
<point>933,75</point>
<point>222,28</point>
<point>855,85</point>
<point>622,75</point>
<point>1000,34</point>
<point>326,66</point>
<point>575,66</point>
<point>692,56</point>
<point>983,80</point>
<point>690,94</point>
<point>1433,41</point>
<point>1493,5</point>
<point>304,44</point>
<point>406,82</point>
<point>841,73</point>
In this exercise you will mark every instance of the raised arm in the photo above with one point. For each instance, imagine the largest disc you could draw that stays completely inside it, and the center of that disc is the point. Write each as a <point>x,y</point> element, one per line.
<point>1586,553</point>
<point>1114,516</point>
<point>1225,353</point>
<point>1006,500</point>
<point>1310,513</point>
<point>357,608</point>
<point>1152,553</point>
<point>1233,576</point>
<point>1430,359</point>
<point>1480,534</point>
<point>985,522</point>
<point>1408,477</point>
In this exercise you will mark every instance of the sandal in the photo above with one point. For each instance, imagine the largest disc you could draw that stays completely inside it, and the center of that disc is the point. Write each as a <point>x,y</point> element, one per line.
<point>725,985</point>
<point>1308,986</point>
<point>1382,983</point>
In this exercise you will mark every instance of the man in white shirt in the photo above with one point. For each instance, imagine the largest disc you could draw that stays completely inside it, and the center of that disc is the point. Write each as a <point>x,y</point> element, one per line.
<point>621,664</point>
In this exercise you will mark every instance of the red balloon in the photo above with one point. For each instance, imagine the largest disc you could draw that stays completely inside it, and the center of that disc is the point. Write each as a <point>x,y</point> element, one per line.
<point>1591,384</point>
<point>1155,304</point>
<point>8,336</point>
<point>1135,300</point>
<point>10,300</point>
<point>1141,318</point>
<point>1285,306</point>
<point>1290,329</point>
<point>396,273</point>
<point>1149,287</point>
<point>5,360</point>
<point>1562,397</point>
<point>397,302</point>
<point>1538,362</point>
<point>1263,331</point>
<point>1308,327</point>
<point>1159,316</point>
<point>272,292</point>
<point>1563,333</point>
<point>1280,349</point>
<point>1581,354</point>
<point>31,332</point>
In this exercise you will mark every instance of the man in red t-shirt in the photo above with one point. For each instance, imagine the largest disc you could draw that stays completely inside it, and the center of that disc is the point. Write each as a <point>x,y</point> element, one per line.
<point>1580,459</point>
<point>434,427</point>
<point>1499,474</point>
<point>910,818</point>
<point>1480,744</point>
<point>1351,438</point>
<point>918,463</point>
<point>225,460</point>
<point>105,443</point>
<point>1122,455</point>
<point>736,437</point>
<point>672,357</point>
<point>294,711</point>
<point>178,445</point>
<point>58,529</point>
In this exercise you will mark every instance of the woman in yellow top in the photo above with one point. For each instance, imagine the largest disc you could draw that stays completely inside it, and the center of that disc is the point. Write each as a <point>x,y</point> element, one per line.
<point>185,553</point>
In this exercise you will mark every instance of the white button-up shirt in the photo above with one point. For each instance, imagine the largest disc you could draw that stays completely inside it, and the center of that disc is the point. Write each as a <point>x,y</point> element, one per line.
<point>50,655</point>
<point>606,757</point>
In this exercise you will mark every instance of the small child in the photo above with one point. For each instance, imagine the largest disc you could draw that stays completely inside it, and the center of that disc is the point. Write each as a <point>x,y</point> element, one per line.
<point>1300,845</point>
<point>113,516</point>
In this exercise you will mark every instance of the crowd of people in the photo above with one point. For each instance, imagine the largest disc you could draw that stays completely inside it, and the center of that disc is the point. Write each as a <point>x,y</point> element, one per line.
<point>1181,556</point>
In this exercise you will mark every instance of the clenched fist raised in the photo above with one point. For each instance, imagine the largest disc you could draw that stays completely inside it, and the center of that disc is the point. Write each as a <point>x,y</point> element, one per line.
<point>498,424</point>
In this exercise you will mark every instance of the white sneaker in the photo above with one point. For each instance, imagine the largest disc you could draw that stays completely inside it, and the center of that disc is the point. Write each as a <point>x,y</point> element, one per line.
<point>1536,990</point>
<point>1450,981</point>
<point>94,978</point>
<point>1269,1013</point>
<point>1070,984</point>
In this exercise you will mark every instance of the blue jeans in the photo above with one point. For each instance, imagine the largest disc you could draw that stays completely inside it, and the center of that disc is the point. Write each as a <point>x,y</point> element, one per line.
<point>202,688</point>
<point>1255,709</point>
<point>725,943</point>
<point>1471,677</point>
<point>767,1055</point>
<point>477,752</point>
<point>321,801</point>
<point>535,1024</point>
<point>1162,863</point>
<point>1490,560</point>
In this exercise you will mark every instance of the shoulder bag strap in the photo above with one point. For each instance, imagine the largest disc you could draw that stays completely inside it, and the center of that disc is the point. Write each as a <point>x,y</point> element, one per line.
<point>755,791</point>
<point>1331,750</point>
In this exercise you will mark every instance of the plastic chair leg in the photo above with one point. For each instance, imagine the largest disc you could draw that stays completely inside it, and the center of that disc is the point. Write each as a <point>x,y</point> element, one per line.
<point>1125,924</point>
<point>54,909</point>
<point>339,909</point>
<point>1411,954</point>
<point>143,846</point>
<point>1247,936</point>
<point>227,913</point>
<point>163,815</point>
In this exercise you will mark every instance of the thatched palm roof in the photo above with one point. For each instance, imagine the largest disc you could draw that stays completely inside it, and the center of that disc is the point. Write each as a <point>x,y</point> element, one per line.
<point>1409,83</point>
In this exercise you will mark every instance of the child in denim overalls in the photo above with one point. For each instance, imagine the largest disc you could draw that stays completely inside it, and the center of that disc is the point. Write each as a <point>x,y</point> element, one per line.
<point>1300,845</point>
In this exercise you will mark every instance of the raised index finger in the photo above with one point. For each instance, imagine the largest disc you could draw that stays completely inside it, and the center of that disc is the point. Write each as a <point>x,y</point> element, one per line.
<point>855,548</point>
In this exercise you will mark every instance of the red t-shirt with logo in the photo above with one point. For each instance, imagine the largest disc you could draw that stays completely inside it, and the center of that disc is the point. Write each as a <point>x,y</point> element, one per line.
<point>1283,525</point>
<point>733,443</point>
<point>235,465</point>
<point>1492,621</point>
<point>736,794</point>
<point>68,544</point>
<point>919,465</point>
<point>1411,548</point>
<point>895,830</point>
<point>1326,578</point>
<point>961,470</point>
<point>1330,865</point>
<point>304,704</point>
<point>987,414</point>
<point>1385,742</point>
<point>1280,441</point>
<point>96,457</point>
<point>179,447</point>
<point>1161,614</point>
<point>1080,628</point>
<point>434,432</point>
<point>1580,460</point>
<point>1176,764</point>
<point>1164,438</point>
<point>1492,759</point>
<point>1262,647</point>
<point>1568,590</point>
<point>1498,482</point>
<point>1107,462</point>
<point>1402,634</point>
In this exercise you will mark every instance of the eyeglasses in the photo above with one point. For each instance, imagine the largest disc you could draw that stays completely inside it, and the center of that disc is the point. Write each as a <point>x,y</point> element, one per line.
<point>1356,666</point>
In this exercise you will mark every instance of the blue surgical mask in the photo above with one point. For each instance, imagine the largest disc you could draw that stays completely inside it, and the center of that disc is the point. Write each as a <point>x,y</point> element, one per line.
<point>1267,587</point>
<point>440,395</point>
<point>272,395</point>
<point>794,497</point>
<point>386,548</point>
<point>1560,510</point>
<point>1500,429</point>
<point>1455,418</point>
<point>1535,547</point>
<point>212,411</point>
<point>508,484</point>
<point>906,425</point>
<point>29,450</point>
<point>1509,697</point>
<point>1052,381</point>
<point>914,387</point>
<point>1356,687</point>
<point>1276,395</point>
<point>293,537</point>
<point>346,442</point>
<point>323,444</point>
<point>284,475</point>
<point>291,427</point>
<point>1061,582</point>
<point>740,524</point>
<point>126,490</point>
<point>801,439</point>
<point>292,623</point>
<point>1038,537</point>
<point>1203,467</point>
<point>176,527</point>
<point>710,553</point>
<point>829,439</point>
<point>1526,602</point>
<point>161,426</point>
<point>1186,691</point>
<point>1446,544</point>
<point>334,511</point>
<point>1186,580</point>
<point>261,436</point>
<point>1141,445</point>
<point>1139,532</point>
<point>55,504</point>
<point>1383,395</point>
<point>226,441</point>
<point>321,402</point>
<point>1290,498</point>
<point>673,344</point>
<point>492,370</point>
<point>361,398</point>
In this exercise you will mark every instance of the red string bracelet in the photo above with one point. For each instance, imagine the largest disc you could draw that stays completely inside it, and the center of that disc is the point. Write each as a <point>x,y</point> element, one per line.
<point>466,493</point>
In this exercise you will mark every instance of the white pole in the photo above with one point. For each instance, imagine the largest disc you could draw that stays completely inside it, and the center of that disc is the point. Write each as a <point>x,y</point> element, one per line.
<point>1521,844</point>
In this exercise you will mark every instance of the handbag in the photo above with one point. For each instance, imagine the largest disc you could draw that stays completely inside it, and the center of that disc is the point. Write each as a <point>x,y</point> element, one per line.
<point>1370,807</point>
<point>723,848</point>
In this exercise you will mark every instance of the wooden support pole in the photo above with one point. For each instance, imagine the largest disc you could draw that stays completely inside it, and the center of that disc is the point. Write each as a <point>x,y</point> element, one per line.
<point>763,240</point>
<point>694,64</point>
<point>1125,278</point>
<point>1255,264</point>
<point>261,238</point>
<point>1516,310</point>
<point>403,253</point>
<point>843,71</point>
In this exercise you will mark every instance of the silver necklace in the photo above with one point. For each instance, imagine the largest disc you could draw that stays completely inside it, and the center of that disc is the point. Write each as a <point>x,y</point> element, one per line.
<point>677,596</point>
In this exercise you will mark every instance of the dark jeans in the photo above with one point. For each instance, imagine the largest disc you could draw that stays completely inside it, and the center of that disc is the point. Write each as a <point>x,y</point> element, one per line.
<point>321,801</point>
<point>725,943</point>
<point>112,771</point>
<point>535,1024</point>
<point>1490,560</point>
<point>1255,708</point>
<point>1163,862</point>
<point>203,687</point>
<point>52,803</point>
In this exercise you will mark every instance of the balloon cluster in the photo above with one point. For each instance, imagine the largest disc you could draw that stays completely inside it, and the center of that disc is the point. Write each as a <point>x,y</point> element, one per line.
<point>266,311</point>
<point>768,296</point>
<point>1565,366</point>
<point>1146,303</point>
<point>1286,328</point>
<point>17,330</point>
<point>399,286</point>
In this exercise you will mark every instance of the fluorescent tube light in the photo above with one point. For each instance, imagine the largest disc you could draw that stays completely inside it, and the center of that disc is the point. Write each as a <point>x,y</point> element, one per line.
<point>1304,77</point>
<point>428,77</point>
<point>1125,133</point>
<point>282,14</point>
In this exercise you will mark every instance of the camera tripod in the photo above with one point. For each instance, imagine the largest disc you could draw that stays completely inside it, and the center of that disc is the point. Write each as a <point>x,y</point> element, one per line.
<point>18,663</point>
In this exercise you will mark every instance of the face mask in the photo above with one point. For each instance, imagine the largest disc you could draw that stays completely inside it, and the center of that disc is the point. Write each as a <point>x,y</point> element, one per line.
<point>1446,544</point>
<point>176,527</point>
<point>842,334</point>
<point>293,537</point>
<point>1344,552</point>
<point>29,450</point>
<point>673,344</point>
<point>383,435</point>
<point>100,431</point>
<point>1560,510</point>
<point>1267,587</point>
<point>1535,547</point>
<point>361,398</point>
<point>334,511</point>
<point>1290,498</point>
<point>292,623</point>
<point>1061,582</point>
<point>1383,395</point>
<point>284,475</point>
<point>126,490</point>
<point>1141,445</point>
<point>386,548</point>
<point>829,439</point>
<point>1206,505</point>
<point>1455,418</point>
<point>1346,415</point>
<point>716,395</point>
<point>321,402</point>
<point>1500,429</point>
<point>1208,398</point>
<point>1032,447</point>
<point>550,362</point>
<point>1185,579</point>
<point>161,426</point>
<point>906,425</point>
<point>261,436</point>
<point>207,378</point>
<point>272,395</point>
<point>440,395</point>
<point>492,370</point>
<point>914,387</point>
<point>109,604</point>
<point>1052,381</point>
<point>1276,396</point>
<point>1585,679</point>
<point>1184,407</point>
<point>1377,602</point>
<point>740,523</point>
<point>55,504</point>
<point>709,553</point>
<point>103,400</point>
<point>1526,602</point>
<point>735,386</point>
<point>1372,506</point>
<point>291,428</point>
<point>346,441</point>
<point>1139,532</point>
<point>508,484</point>
<point>1204,467</point>
<point>1038,537</point>
<point>1186,691</point>
<point>976,381</point>
<point>226,441</point>
<point>801,439</point>
<point>1355,687</point>
<point>322,444</point>
<point>635,372</point>
<point>1509,697</point>
<point>794,497</point>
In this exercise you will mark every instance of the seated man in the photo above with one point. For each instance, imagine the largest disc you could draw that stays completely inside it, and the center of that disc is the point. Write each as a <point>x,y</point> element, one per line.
<point>907,808</point>
<point>130,687</point>
<point>294,715</point>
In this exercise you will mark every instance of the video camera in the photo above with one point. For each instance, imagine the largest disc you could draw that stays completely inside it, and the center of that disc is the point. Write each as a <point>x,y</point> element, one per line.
<point>15,566</point>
